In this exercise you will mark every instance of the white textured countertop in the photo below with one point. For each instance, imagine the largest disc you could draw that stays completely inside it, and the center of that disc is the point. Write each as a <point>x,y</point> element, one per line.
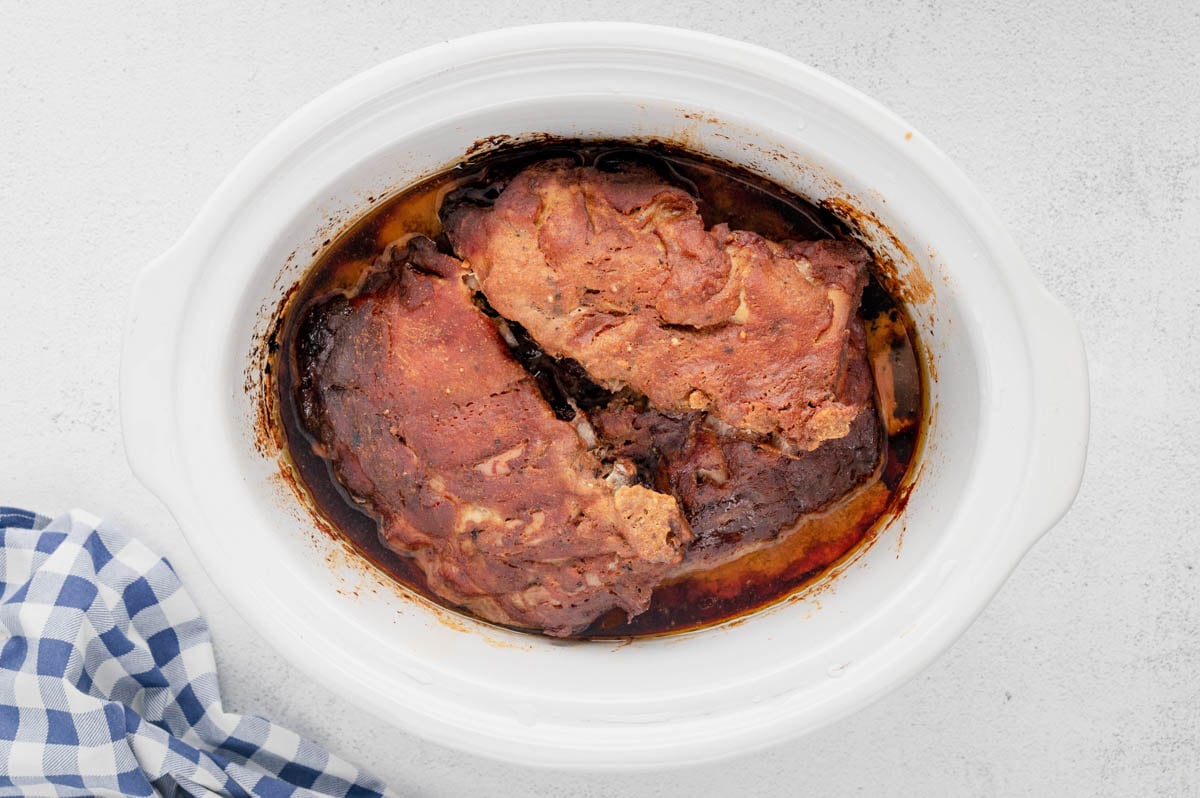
<point>1080,123</point>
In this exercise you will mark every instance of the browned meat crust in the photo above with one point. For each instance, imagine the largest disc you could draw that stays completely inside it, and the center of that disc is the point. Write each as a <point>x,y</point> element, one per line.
<point>617,271</point>
<point>429,423</point>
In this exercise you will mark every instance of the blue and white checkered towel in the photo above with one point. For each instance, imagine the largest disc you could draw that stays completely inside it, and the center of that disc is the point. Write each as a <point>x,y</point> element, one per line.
<point>108,684</point>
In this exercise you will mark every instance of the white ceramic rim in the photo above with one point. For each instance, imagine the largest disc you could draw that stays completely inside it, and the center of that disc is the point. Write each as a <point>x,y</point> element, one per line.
<point>1061,429</point>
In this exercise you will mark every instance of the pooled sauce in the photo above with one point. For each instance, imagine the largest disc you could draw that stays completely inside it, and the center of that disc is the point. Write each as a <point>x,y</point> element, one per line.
<point>761,574</point>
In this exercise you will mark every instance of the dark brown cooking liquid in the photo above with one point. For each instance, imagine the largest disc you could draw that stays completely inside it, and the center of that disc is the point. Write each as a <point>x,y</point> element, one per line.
<point>726,194</point>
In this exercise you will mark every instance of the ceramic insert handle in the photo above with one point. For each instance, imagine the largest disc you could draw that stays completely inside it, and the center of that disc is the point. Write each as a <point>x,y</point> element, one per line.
<point>148,371</point>
<point>1061,413</point>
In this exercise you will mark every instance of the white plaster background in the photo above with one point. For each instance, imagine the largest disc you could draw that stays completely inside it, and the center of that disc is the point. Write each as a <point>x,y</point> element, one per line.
<point>1079,121</point>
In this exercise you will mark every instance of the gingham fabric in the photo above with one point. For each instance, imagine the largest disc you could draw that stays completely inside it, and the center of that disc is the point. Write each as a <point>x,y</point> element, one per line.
<point>108,684</point>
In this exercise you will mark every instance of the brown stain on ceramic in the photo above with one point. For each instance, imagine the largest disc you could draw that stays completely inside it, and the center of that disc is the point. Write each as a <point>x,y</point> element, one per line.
<point>920,289</point>
<point>267,436</point>
<point>698,116</point>
<point>910,285</point>
<point>489,144</point>
<point>460,623</point>
<point>900,504</point>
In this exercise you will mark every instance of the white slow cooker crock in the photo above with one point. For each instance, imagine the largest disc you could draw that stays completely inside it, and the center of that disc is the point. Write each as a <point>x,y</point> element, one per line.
<point>1003,457</point>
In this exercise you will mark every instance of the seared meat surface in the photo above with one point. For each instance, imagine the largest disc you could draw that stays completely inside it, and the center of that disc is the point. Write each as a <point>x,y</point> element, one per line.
<point>617,271</point>
<point>429,423</point>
